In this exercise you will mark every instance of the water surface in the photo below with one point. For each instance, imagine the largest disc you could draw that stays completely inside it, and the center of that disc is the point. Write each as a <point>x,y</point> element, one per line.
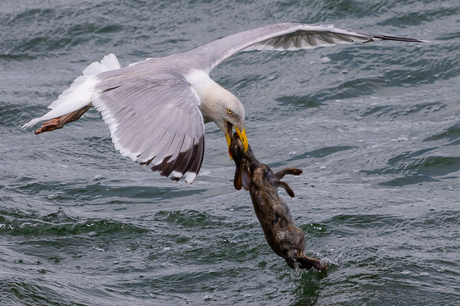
<point>375,127</point>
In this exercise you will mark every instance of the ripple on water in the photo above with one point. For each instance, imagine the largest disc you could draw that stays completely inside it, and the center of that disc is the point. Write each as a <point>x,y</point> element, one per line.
<point>451,134</point>
<point>395,111</point>
<point>17,223</point>
<point>417,170</point>
<point>300,101</point>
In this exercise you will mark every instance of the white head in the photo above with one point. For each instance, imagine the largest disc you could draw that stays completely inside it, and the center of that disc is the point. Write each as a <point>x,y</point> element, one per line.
<point>223,108</point>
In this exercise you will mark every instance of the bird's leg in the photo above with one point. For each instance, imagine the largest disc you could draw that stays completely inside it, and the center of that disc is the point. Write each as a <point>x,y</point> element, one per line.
<point>58,123</point>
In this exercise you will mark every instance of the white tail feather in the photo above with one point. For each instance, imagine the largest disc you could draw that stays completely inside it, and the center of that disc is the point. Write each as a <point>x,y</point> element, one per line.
<point>79,93</point>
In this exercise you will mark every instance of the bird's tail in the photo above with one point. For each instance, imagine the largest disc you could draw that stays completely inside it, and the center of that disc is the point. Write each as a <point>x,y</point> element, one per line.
<point>78,95</point>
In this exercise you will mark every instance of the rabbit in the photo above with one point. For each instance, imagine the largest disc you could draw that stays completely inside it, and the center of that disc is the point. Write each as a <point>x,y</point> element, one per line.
<point>285,239</point>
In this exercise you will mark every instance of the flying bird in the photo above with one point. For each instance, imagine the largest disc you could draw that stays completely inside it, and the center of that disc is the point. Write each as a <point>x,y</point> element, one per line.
<point>156,109</point>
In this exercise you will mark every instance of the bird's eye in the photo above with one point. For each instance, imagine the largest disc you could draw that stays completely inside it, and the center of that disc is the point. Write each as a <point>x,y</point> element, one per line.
<point>229,111</point>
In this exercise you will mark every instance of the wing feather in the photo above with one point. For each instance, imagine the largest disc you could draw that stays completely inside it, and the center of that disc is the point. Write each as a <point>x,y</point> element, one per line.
<point>154,119</point>
<point>283,36</point>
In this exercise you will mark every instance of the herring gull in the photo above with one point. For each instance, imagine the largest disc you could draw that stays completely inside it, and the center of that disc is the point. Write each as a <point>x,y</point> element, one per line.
<point>156,109</point>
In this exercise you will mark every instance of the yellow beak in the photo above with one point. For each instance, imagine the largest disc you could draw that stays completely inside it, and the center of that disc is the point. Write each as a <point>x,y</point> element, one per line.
<point>241,135</point>
<point>243,138</point>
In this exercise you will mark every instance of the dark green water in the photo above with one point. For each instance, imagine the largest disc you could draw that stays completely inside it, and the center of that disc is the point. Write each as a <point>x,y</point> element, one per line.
<point>375,127</point>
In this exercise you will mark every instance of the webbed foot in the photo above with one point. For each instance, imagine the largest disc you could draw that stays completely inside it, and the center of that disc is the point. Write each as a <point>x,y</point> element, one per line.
<point>58,123</point>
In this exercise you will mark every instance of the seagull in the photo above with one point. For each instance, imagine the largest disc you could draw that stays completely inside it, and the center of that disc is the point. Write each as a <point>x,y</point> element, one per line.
<point>156,109</point>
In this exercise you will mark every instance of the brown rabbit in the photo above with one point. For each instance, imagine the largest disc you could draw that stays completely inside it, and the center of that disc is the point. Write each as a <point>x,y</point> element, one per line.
<point>285,239</point>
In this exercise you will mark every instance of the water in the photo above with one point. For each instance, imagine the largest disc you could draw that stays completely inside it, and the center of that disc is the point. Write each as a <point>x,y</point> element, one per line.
<point>375,127</point>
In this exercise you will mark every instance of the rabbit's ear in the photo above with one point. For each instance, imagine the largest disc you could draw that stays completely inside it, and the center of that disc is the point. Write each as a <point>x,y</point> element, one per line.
<point>238,179</point>
<point>242,178</point>
<point>246,178</point>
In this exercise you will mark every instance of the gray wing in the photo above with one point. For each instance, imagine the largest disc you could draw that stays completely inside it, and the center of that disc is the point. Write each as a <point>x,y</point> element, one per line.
<point>154,119</point>
<point>284,36</point>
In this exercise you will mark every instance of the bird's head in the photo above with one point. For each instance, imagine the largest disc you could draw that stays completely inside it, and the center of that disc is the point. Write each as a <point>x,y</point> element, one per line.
<point>227,112</point>
<point>234,118</point>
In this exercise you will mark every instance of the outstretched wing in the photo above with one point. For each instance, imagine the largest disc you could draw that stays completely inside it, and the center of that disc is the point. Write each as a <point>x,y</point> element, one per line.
<point>154,119</point>
<point>153,114</point>
<point>283,36</point>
